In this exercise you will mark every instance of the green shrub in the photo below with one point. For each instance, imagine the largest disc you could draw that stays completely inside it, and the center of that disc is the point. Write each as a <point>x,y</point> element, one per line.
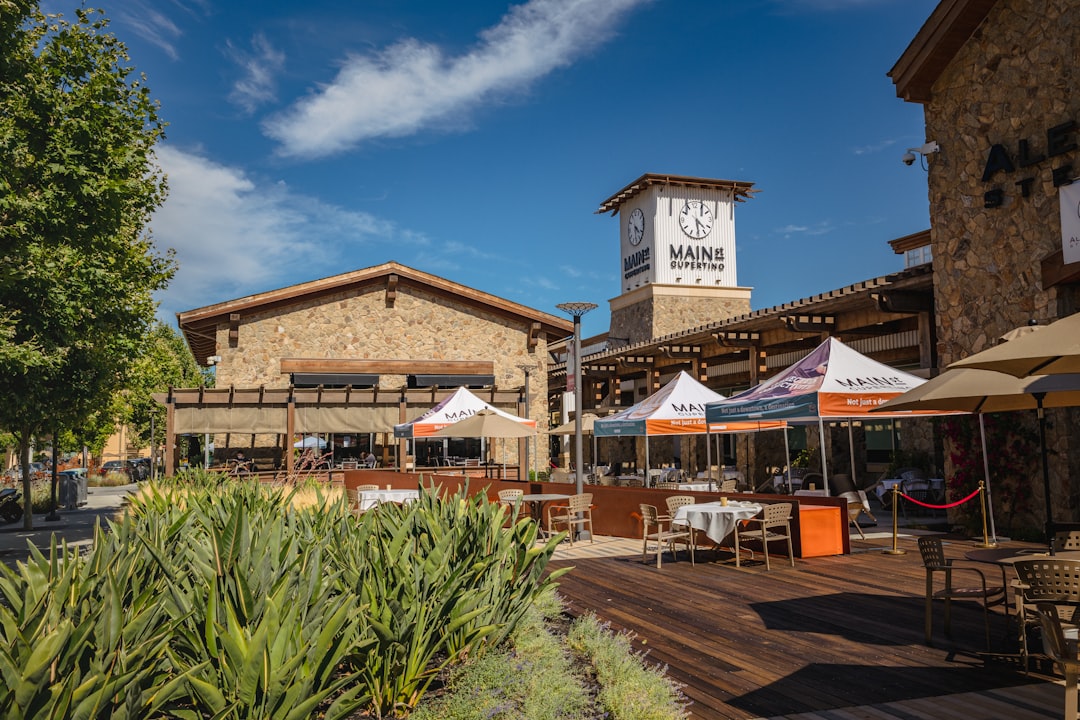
<point>629,688</point>
<point>226,600</point>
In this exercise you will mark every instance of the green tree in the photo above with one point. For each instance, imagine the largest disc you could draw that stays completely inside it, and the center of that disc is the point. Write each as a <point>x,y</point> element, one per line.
<point>166,362</point>
<point>78,183</point>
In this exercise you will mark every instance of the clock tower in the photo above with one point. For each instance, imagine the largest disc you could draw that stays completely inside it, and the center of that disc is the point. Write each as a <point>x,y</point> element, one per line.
<point>676,254</point>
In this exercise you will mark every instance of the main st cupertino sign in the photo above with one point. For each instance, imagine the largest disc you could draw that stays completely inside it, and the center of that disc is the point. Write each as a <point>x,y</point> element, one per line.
<point>1029,158</point>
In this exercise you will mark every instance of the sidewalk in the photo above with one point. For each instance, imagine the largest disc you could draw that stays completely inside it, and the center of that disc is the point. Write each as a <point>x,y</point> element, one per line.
<point>74,526</point>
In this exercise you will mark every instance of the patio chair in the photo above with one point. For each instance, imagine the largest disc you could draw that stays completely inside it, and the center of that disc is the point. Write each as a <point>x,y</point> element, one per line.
<point>773,524</point>
<point>730,485</point>
<point>1061,651</point>
<point>349,464</point>
<point>1045,580</point>
<point>667,486</point>
<point>577,512</point>
<point>934,560</point>
<point>662,534</point>
<point>1065,540</point>
<point>674,502</point>
<point>857,504</point>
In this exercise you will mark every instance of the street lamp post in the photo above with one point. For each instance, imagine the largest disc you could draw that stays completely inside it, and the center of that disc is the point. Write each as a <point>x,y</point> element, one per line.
<point>577,309</point>
<point>528,413</point>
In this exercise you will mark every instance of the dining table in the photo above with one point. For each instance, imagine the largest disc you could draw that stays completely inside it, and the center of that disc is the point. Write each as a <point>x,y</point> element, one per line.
<point>1005,557</point>
<point>716,519</point>
<point>536,506</point>
<point>697,486</point>
<point>371,498</point>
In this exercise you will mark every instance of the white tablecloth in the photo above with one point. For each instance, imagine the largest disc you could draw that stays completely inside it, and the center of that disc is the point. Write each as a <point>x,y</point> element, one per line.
<point>715,520</point>
<point>371,498</point>
<point>698,486</point>
<point>936,485</point>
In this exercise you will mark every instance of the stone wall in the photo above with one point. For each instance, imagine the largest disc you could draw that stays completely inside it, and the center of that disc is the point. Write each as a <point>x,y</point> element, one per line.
<point>358,324</point>
<point>663,310</point>
<point>1014,80</point>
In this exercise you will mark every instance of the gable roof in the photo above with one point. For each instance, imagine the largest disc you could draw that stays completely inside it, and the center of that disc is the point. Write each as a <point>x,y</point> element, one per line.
<point>199,326</point>
<point>949,27</point>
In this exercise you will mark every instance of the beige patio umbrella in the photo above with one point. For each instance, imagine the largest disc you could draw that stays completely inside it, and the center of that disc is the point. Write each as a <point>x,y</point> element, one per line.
<point>587,420</point>
<point>490,424</point>
<point>1053,350</point>
<point>985,391</point>
<point>487,423</point>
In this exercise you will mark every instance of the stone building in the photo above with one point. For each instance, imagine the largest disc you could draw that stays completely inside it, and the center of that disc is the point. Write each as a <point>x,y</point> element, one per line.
<point>365,349</point>
<point>998,81</point>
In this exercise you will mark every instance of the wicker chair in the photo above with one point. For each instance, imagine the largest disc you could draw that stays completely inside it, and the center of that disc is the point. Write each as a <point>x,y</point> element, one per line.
<point>729,486</point>
<point>1045,580</point>
<point>667,486</point>
<point>663,533</point>
<point>773,524</point>
<point>935,562</point>
<point>576,513</point>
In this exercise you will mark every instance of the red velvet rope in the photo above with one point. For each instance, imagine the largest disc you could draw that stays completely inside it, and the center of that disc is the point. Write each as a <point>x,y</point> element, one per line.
<point>937,507</point>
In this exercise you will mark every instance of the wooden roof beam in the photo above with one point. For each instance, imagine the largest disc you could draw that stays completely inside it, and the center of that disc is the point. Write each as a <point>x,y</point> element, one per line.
<point>810,323</point>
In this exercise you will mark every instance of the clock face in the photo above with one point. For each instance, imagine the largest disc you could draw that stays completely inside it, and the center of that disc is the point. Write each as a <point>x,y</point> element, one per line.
<point>696,219</point>
<point>635,226</point>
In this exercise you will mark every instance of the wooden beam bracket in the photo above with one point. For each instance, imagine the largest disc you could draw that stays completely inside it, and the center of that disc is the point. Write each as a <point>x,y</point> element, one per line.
<point>737,339</point>
<point>903,301</point>
<point>810,323</point>
<point>391,289</point>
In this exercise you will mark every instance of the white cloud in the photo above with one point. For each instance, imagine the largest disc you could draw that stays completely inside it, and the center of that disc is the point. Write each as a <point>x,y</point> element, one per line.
<point>235,236</point>
<point>153,26</point>
<point>260,66</point>
<point>822,228</point>
<point>871,149</point>
<point>413,86</point>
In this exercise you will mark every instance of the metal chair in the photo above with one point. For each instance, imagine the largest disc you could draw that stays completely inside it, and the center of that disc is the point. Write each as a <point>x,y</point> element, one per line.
<point>774,524</point>
<point>934,560</point>
<point>1045,580</point>
<point>1065,540</point>
<point>663,533</point>
<point>1061,651</point>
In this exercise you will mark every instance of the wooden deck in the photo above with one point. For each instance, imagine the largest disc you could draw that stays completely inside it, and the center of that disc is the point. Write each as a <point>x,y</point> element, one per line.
<point>833,638</point>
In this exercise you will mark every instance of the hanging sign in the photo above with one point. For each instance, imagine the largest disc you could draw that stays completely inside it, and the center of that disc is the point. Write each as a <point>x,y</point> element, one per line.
<point>1070,222</point>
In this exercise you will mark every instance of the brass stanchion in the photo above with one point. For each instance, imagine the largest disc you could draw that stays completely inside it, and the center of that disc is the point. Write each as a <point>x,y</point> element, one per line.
<point>986,543</point>
<point>895,504</point>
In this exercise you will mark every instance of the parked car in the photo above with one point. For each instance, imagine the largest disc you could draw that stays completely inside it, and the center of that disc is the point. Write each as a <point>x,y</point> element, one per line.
<point>139,469</point>
<point>115,466</point>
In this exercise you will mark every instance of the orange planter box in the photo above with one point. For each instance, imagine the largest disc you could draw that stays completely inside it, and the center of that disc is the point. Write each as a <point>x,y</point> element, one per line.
<point>820,530</point>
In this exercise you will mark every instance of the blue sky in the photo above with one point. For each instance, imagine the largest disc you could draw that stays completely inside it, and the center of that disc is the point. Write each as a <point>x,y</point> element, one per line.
<point>475,140</point>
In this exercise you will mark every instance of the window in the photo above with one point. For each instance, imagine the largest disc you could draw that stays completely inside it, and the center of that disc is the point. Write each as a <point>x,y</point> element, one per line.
<point>918,256</point>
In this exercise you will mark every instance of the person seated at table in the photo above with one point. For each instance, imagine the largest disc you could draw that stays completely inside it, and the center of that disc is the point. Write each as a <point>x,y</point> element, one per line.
<point>369,459</point>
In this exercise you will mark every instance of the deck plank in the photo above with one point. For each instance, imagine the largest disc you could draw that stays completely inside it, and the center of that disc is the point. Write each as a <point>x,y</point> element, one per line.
<point>834,638</point>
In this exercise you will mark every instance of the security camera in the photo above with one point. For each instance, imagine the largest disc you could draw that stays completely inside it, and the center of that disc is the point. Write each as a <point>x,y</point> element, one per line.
<point>909,158</point>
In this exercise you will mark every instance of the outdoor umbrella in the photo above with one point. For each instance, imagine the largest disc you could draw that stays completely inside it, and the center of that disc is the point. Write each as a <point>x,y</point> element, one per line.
<point>1053,350</point>
<point>587,420</point>
<point>985,391</point>
<point>310,441</point>
<point>488,423</point>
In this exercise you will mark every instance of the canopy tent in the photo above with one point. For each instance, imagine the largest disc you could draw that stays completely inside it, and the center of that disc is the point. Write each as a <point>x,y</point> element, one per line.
<point>678,408</point>
<point>460,405</point>
<point>832,382</point>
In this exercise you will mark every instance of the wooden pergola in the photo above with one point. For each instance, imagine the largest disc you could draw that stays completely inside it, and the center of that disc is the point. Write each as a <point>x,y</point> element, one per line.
<point>288,411</point>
